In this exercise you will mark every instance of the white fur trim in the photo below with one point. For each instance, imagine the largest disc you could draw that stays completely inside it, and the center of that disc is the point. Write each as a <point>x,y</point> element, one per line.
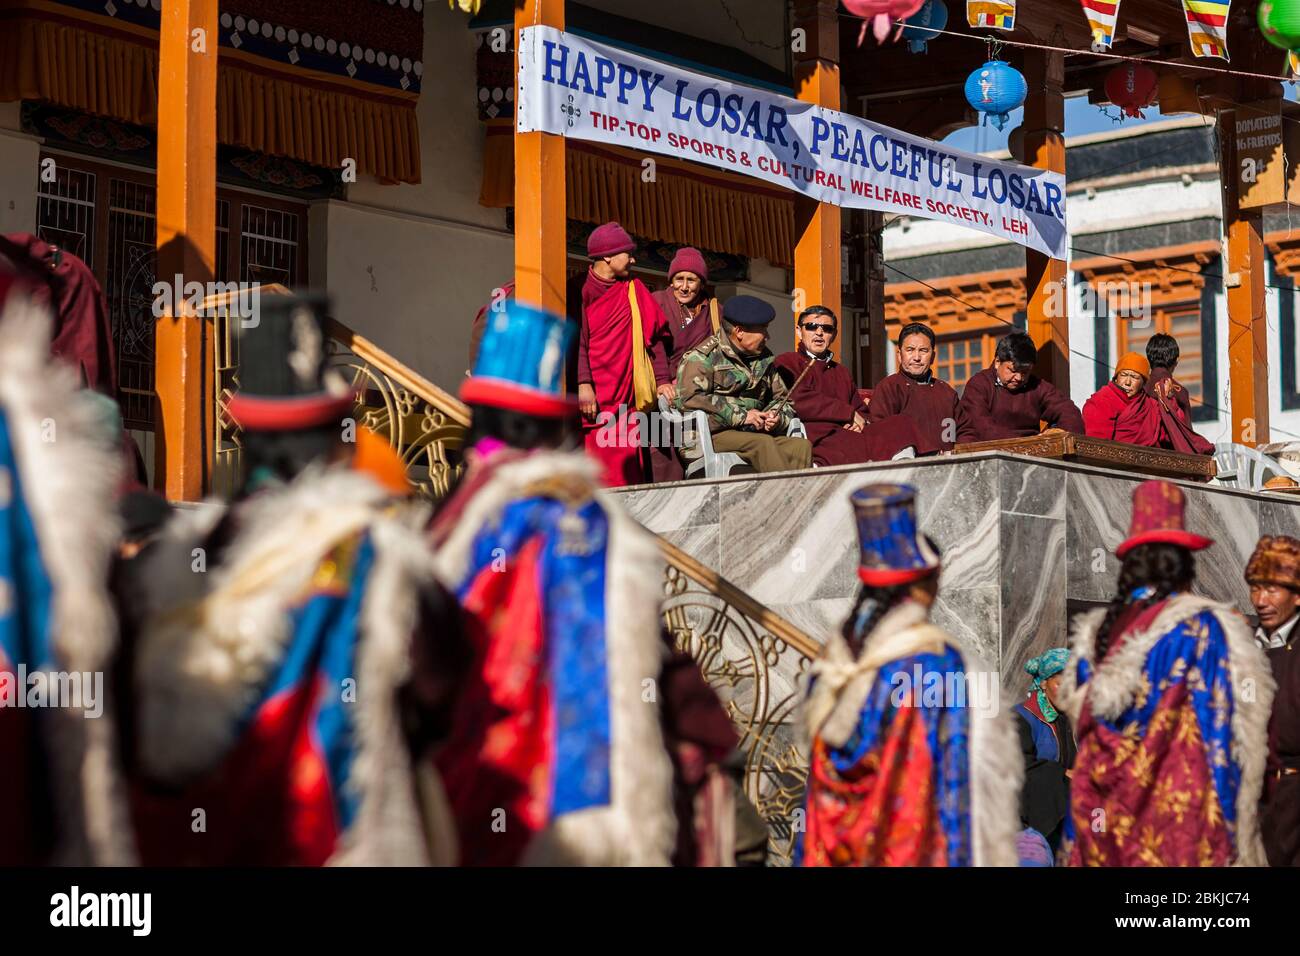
<point>638,828</point>
<point>69,472</point>
<point>389,810</point>
<point>203,656</point>
<point>1114,683</point>
<point>997,772</point>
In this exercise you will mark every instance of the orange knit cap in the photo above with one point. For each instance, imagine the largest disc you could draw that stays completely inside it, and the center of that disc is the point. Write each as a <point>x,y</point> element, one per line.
<point>1133,362</point>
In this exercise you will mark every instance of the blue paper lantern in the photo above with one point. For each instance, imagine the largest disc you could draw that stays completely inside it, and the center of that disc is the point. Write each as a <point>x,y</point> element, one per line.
<point>919,29</point>
<point>995,89</point>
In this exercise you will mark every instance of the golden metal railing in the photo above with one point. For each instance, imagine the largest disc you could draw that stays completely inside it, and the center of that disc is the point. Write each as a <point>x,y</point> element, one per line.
<point>754,660</point>
<point>751,656</point>
<point>425,424</point>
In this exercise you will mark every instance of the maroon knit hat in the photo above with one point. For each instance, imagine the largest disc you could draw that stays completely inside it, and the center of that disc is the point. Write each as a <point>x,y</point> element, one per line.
<point>688,259</point>
<point>609,240</point>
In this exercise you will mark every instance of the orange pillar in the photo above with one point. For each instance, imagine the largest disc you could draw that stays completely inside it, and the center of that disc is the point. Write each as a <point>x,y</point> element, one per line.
<point>186,233</point>
<point>1244,282</point>
<point>540,209</point>
<point>1047,322</point>
<point>817,80</point>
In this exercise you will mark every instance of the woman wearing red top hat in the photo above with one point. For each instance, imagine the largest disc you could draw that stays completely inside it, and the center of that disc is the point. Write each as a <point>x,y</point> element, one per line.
<point>913,763</point>
<point>1171,699</point>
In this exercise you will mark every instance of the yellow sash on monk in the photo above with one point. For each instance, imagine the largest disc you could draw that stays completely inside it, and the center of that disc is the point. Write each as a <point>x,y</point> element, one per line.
<point>644,391</point>
<point>713,316</point>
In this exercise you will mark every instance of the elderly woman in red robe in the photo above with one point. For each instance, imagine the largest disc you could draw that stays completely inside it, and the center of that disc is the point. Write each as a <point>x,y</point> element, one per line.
<point>826,400</point>
<point>622,358</point>
<point>692,315</point>
<point>1121,410</point>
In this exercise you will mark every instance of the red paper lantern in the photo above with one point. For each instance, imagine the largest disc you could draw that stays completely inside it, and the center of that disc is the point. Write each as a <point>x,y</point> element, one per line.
<point>1132,87</point>
<point>880,13</point>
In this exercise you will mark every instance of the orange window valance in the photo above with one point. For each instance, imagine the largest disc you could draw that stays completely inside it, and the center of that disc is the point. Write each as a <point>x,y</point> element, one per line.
<point>319,86</point>
<point>686,203</point>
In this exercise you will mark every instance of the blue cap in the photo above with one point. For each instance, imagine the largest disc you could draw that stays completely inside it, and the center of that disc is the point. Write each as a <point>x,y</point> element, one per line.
<point>892,550</point>
<point>748,310</point>
<point>521,362</point>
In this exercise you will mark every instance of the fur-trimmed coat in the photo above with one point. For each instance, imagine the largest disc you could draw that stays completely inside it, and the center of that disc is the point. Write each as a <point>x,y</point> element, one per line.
<point>67,470</point>
<point>842,687</point>
<point>637,826</point>
<point>1117,688</point>
<point>225,587</point>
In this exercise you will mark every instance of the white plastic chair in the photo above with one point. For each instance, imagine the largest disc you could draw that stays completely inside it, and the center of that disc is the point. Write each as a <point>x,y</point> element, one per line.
<point>714,464</point>
<point>1241,466</point>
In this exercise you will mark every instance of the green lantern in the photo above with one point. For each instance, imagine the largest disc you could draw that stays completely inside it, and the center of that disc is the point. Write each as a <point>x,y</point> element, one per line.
<point>1279,21</point>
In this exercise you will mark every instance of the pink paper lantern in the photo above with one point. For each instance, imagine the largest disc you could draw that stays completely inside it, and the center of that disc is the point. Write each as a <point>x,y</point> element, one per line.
<point>881,14</point>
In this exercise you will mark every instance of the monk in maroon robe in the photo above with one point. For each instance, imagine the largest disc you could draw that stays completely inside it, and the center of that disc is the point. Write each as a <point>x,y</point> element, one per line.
<point>1007,400</point>
<point>914,391</point>
<point>607,354</point>
<point>692,315</point>
<point>1163,353</point>
<point>826,400</point>
<point>83,336</point>
<point>1121,411</point>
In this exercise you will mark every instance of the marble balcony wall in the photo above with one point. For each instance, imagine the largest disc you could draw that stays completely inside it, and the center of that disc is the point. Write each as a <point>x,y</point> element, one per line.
<point>1022,540</point>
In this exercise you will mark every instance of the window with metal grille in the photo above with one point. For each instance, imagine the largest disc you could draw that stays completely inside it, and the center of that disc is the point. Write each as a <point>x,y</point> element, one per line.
<point>106,216</point>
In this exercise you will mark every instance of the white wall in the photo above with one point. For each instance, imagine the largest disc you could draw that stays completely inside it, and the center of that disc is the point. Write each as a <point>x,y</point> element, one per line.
<point>408,266</point>
<point>19,167</point>
<point>410,283</point>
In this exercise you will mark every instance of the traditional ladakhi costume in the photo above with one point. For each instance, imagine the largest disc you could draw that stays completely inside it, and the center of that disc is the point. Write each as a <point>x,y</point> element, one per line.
<point>622,356</point>
<point>1170,722</point>
<point>826,399</point>
<point>62,799</point>
<point>687,326</point>
<point>907,767</point>
<point>1277,561</point>
<point>286,676</point>
<point>558,753</point>
<point>1048,747</point>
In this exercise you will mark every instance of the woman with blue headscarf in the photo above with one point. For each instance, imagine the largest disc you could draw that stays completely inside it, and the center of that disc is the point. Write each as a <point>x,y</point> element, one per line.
<point>1047,742</point>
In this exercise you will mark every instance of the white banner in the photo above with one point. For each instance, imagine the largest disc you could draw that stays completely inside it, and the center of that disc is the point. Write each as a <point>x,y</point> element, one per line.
<point>574,87</point>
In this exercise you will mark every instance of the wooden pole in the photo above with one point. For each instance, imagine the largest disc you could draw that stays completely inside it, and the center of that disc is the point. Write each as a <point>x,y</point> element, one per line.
<point>1047,320</point>
<point>540,201</point>
<point>1244,282</point>
<point>186,235</point>
<point>817,273</point>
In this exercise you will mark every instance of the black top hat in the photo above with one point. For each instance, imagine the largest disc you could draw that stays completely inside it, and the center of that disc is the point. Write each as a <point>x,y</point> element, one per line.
<point>285,383</point>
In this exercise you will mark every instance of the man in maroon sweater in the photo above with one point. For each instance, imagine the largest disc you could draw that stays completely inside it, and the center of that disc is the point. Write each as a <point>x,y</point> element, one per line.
<point>915,392</point>
<point>828,403</point>
<point>1008,400</point>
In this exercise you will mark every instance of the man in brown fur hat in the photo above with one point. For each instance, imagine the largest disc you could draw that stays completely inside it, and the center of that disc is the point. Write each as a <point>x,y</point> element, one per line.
<point>1274,578</point>
<point>1273,574</point>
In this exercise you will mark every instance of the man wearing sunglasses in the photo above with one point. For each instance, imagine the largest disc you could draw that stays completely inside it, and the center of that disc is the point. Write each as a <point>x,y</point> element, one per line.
<point>826,400</point>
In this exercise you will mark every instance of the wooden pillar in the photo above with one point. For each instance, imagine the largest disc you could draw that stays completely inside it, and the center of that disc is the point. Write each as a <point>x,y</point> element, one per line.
<point>186,234</point>
<point>1244,282</point>
<point>540,207</point>
<point>1047,322</point>
<point>817,271</point>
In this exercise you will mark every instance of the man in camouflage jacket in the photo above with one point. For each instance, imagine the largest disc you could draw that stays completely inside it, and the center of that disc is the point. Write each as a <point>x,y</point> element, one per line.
<point>731,377</point>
